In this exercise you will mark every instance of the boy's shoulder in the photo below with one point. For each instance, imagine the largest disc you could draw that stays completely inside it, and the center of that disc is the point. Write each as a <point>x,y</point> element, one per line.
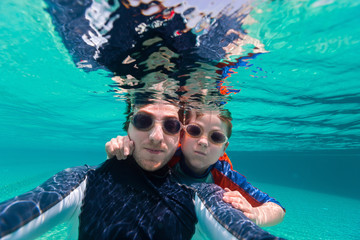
<point>225,158</point>
<point>176,158</point>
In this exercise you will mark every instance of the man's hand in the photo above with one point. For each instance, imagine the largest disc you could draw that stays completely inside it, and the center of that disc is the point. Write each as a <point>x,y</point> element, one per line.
<point>121,147</point>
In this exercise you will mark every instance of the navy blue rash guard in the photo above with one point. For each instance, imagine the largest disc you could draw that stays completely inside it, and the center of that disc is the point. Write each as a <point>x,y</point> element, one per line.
<point>122,201</point>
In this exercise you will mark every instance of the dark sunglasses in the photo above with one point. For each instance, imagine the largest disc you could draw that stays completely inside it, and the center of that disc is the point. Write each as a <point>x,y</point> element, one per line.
<point>215,136</point>
<point>144,122</point>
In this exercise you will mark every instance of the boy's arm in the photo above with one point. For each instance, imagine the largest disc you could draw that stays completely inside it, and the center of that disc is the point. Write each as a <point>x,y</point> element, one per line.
<point>265,215</point>
<point>258,206</point>
<point>121,147</point>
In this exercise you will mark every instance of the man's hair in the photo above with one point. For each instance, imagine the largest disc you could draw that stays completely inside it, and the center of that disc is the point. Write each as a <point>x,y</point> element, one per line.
<point>224,115</point>
<point>129,113</point>
<point>139,101</point>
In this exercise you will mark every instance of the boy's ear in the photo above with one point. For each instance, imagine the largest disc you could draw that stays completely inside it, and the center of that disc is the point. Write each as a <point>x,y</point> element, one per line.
<point>226,145</point>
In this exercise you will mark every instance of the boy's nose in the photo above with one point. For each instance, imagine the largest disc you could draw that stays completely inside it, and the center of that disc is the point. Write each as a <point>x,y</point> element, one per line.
<point>203,141</point>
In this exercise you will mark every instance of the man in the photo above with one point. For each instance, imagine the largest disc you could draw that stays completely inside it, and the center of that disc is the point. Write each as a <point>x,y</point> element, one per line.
<point>139,198</point>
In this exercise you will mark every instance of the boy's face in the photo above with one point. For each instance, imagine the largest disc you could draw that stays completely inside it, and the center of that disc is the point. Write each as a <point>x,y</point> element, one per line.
<point>154,148</point>
<point>200,152</point>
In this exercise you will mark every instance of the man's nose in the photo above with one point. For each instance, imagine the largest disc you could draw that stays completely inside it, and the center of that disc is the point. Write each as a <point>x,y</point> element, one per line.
<point>156,133</point>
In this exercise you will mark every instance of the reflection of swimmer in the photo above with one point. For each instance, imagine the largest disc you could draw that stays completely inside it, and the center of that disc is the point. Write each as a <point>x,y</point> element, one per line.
<point>227,68</point>
<point>105,33</point>
<point>202,143</point>
<point>138,198</point>
<point>139,38</point>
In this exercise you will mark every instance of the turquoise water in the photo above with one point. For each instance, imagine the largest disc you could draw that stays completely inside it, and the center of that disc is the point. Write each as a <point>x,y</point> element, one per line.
<point>296,129</point>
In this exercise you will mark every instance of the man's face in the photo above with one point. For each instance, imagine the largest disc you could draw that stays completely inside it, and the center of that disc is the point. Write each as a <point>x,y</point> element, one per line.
<point>154,148</point>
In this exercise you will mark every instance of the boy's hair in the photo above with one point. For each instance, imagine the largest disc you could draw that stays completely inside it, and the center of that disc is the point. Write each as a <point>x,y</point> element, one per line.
<point>224,115</point>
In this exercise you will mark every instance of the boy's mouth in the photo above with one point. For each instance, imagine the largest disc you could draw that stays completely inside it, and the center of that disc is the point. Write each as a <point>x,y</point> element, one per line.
<point>200,153</point>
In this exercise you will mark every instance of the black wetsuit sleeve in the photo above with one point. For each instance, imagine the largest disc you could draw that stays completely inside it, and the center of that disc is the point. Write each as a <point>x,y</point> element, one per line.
<point>218,220</point>
<point>33,213</point>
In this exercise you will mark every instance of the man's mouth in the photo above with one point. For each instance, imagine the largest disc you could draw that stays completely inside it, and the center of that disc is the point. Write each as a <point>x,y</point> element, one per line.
<point>154,151</point>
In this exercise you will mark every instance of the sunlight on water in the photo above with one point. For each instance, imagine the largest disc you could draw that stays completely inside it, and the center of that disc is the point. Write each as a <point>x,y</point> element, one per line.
<point>303,88</point>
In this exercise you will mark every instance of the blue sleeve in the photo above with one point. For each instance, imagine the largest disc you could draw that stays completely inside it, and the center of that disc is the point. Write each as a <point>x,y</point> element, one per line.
<point>224,176</point>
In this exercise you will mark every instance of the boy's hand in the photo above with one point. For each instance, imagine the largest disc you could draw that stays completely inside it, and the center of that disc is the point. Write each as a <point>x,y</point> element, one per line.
<point>121,147</point>
<point>239,202</point>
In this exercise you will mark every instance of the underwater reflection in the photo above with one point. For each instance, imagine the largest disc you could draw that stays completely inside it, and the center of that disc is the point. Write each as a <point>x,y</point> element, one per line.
<point>184,49</point>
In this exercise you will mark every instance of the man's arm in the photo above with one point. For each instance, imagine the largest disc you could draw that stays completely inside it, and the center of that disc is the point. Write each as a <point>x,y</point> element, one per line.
<point>218,220</point>
<point>33,213</point>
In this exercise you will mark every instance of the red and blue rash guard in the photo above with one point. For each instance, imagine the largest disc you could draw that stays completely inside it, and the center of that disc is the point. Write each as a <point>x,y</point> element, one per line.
<point>222,174</point>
